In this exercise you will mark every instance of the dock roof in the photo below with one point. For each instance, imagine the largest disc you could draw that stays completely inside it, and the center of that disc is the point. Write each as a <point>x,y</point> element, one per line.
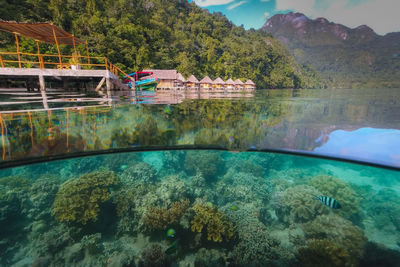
<point>219,81</point>
<point>43,32</point>
<point>206,80</point>
<point>192,79</point>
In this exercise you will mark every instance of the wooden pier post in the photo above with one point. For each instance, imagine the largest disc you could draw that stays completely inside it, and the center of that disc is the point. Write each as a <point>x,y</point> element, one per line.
<point>42,83</point>
<point>18,54</point>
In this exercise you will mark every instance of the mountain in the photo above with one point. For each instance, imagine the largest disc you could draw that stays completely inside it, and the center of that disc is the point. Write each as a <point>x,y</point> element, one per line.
<point>346,57</point>
<point>165,34</point>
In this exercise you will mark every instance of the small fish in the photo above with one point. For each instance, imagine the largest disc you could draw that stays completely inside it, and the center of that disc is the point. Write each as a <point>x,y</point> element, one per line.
<point>210,204</point>
<point>172,248</point>
<point>328,201</point>
<point>123,167</point>
<point>234,208</point>
<point>171,232</point>
<point>167,110</point>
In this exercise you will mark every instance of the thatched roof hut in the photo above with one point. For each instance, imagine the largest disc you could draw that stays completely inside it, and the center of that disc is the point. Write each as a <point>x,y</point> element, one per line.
<point>206,80</point>
<point>192,79</point>
<point>180,77</point>
<point>230,82</point>
<point>219,81</point>
<point>238,82</point>
<point>250,82</point>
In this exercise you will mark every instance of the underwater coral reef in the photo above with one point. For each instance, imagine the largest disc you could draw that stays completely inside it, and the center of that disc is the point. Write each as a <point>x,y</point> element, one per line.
<point>194,208</point>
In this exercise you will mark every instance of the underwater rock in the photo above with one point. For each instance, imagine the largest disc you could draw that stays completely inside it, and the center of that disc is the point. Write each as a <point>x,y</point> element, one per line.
<point>218,226</point>
<point>323,253</point>
<point>209,163</point>
<point>384,208</point>
<point>339,231</point>
<point>79,200</point>
<point>339,190</point>
<point>297,204</point>
<point>379,255</point>
<point>210,258</point>
<point>162,218</point>
<point>153,256</point>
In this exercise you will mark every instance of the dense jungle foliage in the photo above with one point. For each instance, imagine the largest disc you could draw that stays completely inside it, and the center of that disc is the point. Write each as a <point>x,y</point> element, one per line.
<point>137,34</point>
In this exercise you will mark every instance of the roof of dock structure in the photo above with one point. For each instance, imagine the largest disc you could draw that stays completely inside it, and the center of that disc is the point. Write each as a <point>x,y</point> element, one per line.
<point>192,79</point>
<point>230,82</point>
<point>180,77</point>
<point>206,80</point>
<point>238,82</point>
<point>219,81</point>
<point>250,82</point>
<point>43,32</point>
<point>164,74</point>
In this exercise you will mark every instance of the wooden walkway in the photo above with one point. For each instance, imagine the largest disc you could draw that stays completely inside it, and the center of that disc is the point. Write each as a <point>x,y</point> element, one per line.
<point>34,76</point>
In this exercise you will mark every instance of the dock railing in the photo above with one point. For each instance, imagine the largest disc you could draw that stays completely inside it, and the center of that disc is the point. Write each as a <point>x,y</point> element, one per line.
<point>43,61</point>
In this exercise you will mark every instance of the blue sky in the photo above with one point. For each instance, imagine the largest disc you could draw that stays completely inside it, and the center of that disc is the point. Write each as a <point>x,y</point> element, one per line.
<point>380,15</point>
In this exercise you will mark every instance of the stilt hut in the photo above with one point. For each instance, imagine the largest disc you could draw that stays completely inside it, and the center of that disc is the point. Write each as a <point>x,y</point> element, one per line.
<point>218,83</point>
<point>250,85</point>
<point>229,84</point>
<point>239,84</point>
<point>192,82</point>
<point>180,81</point>
<point>206,83</point>
<point>167,78</point>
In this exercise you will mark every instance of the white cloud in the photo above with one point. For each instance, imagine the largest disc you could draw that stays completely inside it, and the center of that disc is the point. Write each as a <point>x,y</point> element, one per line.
<point>266,15</point>
<point>381,15</point>
<point>235,5</point>
<point>204,3</point>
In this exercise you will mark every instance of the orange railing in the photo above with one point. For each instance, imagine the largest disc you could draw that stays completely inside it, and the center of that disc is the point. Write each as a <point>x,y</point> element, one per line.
<point>31,60</point>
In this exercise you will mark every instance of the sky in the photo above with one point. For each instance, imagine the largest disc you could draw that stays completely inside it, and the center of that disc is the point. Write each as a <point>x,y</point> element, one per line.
<point>383,16</point>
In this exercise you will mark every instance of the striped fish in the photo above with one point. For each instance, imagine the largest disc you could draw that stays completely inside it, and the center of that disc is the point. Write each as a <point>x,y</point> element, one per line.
<point>328,201</point>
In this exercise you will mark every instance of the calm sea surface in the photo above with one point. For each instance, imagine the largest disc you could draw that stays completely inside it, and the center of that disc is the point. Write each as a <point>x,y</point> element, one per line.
<point>265,178</point>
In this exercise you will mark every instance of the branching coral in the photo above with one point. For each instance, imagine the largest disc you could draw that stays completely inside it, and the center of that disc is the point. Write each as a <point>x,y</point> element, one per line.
<point>138,173</point>
<point>322,253</point>
<point>340,231</point>
<point>161,218</point>
<point>218,226</point>
<point>298,205</point>
<point>339,190</point>
<point>79,200</point>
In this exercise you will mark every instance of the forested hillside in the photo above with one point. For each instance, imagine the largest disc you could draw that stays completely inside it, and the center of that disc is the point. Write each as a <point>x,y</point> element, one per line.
<point>164,34</point>
<point>345,57</point>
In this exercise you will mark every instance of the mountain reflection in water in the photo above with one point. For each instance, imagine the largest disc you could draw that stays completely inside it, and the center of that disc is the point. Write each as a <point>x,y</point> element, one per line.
<point>352,124</point>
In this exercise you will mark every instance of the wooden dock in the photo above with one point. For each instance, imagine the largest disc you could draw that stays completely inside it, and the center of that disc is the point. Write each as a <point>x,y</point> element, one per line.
<point>36,78</point>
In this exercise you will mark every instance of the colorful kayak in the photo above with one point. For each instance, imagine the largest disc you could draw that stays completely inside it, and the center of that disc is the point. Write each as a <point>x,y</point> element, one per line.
<point>145,84</point>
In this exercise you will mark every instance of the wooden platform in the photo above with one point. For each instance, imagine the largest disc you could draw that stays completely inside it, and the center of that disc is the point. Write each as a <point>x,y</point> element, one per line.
<point>111,81</point>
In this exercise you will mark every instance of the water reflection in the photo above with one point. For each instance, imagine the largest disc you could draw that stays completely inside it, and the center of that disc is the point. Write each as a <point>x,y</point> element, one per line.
<point>340,123</point>
<point>382,145</point>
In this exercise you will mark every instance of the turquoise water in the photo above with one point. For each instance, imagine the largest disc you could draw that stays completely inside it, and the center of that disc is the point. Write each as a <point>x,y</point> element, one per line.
<point>159,196</point>
<point>226,209</point>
